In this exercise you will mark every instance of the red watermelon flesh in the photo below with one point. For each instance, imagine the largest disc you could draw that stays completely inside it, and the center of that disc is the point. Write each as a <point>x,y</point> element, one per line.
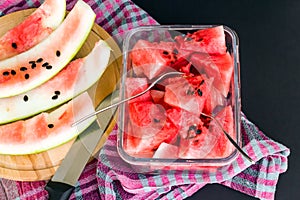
<point>135,86</point>
<point>152,59</point>
<point>35,28</point>
<point>214,99</point>
<point>210,40</point>
<point>223,147</point>
<point>188,94</point>
<point>146,118</point>
<point>167,151</point>
<point>184,121</point>
<point>199,146</point>
<point>220,67</point>
<point>157,96</point>
<point>142,143</point>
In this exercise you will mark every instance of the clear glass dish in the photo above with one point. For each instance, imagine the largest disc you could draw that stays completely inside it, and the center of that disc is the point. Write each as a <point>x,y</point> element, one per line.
<point>149,164</point>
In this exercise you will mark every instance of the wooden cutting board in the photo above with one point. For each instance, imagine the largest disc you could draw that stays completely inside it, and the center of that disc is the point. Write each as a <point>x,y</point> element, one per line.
<point>42,166</point>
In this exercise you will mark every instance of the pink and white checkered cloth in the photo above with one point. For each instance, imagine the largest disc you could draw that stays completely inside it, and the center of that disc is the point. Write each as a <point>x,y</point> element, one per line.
<point>109,177</point>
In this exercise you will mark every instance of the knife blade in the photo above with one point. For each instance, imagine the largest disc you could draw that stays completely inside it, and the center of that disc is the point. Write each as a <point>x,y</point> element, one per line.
<point>62,184</point>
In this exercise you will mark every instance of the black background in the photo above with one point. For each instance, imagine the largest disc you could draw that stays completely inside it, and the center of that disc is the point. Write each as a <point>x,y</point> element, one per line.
<point>269,35</point>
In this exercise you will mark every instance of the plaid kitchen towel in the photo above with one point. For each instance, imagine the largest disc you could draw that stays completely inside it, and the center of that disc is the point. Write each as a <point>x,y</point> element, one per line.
<point>109,177</point>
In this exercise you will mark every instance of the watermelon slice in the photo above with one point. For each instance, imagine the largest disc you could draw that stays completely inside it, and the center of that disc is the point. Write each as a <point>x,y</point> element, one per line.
<point>30,69</point>
<point>75,78</point>
<point>151,59</point>
<point>46,130</point>
<point>219,67</point>
<point>146,118</point>
<point>222,148</point>
<point>33,29</point>
<point>135,86</point>
<point>210,40</point>
<point>211,142</point>
<point>147,128</point>
<point>165,150</point>
<point>189,93</point>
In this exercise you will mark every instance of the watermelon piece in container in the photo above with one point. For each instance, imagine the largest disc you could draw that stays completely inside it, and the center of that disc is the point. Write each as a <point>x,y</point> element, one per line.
<point>219,67</point>
<point>135,86</point>
<point>151,59</point>
<point>209,40</point>
<point>188,93</point>
<point>32,68</point>
<point>34,29</point>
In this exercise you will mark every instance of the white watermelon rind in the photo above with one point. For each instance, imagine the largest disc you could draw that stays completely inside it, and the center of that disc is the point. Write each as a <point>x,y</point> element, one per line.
<point>15,108</point>
<point>81,106</point>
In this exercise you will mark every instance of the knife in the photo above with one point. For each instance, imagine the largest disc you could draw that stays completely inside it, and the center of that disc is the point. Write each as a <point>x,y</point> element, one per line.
<point>62,184</point>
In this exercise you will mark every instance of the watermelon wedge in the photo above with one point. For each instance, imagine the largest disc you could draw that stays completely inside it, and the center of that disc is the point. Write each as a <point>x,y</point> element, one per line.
<point>46,130</point>
<point>219,67</point>
<point>30,69</point>
<point>210,40</point>
<point>74,79</point>
<point>35,28</point>
<point>151,59</point>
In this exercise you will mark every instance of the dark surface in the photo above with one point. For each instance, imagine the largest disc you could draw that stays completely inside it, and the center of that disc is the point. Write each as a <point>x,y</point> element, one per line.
<point>269,35</point>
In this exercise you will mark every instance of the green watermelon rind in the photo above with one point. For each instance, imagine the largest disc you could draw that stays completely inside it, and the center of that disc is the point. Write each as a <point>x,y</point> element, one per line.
<point>87,17</point>
<point>52,142</point>
<point>15,108</point>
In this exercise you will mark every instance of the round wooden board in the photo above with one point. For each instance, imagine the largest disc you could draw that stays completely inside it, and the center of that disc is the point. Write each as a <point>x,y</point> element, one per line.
<point>42,166</point>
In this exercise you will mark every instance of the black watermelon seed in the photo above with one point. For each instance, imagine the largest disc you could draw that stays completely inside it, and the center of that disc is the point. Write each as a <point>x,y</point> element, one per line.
<point>198,131</point>
<point>45,64</point>
<point>57,92</point>
<point>14,45</point>
<point>33,65</point>
<point>156,120</point>
<point>165,53</point>
<point>13,72</point>
<point>57,53</point>
<point>200,93</point>
<point>175,51</point>
<point>50,125</point>
<point>48,67</point>
<point>31,62</point>
<point>26,76</point>
<point>25,98</point>
<point>23,68</point>
<point>54,97</point>
<point>6,73</point>
<point>39,60</point>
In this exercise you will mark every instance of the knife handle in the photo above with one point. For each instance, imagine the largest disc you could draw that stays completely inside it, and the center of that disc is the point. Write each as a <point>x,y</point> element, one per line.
<point>59,191</point>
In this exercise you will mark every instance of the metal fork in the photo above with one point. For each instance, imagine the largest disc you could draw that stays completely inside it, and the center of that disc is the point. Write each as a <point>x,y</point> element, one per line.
<point>143,92</point>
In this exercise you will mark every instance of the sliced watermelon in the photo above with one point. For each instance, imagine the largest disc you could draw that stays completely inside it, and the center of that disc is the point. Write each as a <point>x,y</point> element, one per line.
<point>167,151</point>
<point>199,146</point>
<point>152,59</point>
<point>135,86</point>
<point>223,148</point>
<point>219,67</point>
<point>186,122</point>
<point>75,78</point>
<point>146,118</point>
<point>148,127</point>
<point>189,93</point>
<point>30,69</point>
<point>46,130</point>
<point>33,29</point>
<point>211,142</point>
<point>210,40</point>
